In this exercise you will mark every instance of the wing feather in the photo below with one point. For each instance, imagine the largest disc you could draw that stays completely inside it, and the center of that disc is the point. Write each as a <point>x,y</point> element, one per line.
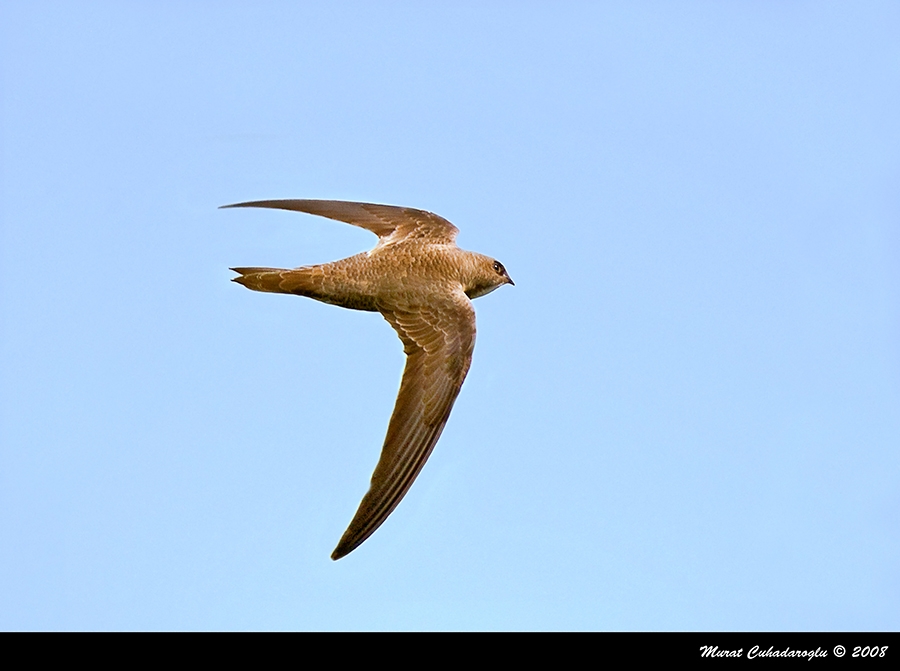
<point>388,222</point>
<point>438,339</point>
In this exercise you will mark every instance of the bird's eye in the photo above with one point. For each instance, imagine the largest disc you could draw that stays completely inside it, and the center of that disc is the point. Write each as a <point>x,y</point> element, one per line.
<point>499,268</point>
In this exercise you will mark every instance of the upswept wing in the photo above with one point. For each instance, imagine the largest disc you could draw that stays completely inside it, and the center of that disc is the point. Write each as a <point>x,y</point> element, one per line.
<point>388,222</point>
<point>438,339</point>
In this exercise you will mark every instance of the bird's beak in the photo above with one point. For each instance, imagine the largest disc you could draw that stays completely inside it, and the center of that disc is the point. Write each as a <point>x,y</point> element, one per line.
<point>509,280</point>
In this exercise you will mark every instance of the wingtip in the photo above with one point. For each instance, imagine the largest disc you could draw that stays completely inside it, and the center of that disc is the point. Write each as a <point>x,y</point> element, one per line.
<point>249,203</point>
<point>347,545</point>
<point>272,204</point>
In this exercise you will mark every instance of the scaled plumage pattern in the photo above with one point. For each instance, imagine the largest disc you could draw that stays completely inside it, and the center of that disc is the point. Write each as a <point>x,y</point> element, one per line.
<point>421,283</point>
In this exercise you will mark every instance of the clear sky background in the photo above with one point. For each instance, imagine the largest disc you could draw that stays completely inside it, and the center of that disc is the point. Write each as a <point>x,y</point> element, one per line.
<point>685,415</point>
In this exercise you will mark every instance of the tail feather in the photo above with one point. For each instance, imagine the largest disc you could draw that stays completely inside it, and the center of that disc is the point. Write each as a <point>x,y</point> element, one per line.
<point>274,280</point>
<point>310,281</point>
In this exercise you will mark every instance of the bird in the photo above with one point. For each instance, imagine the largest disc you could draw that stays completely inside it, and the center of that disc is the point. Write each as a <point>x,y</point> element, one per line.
<point>423,285</point>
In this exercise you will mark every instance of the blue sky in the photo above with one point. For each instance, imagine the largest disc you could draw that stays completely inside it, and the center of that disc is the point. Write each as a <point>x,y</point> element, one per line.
<point>685,415</point>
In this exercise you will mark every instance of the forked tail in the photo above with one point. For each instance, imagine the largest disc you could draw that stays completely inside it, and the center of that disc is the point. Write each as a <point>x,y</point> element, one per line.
<point>321,283</point>
<point>275,280</point>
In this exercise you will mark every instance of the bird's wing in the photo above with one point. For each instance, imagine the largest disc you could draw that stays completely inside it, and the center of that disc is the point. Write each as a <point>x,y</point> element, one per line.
<point>438,339</point>
<point>388,222</point>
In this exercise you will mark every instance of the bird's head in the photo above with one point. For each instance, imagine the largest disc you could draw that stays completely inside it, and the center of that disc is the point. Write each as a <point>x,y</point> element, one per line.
<point>487,274</point>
